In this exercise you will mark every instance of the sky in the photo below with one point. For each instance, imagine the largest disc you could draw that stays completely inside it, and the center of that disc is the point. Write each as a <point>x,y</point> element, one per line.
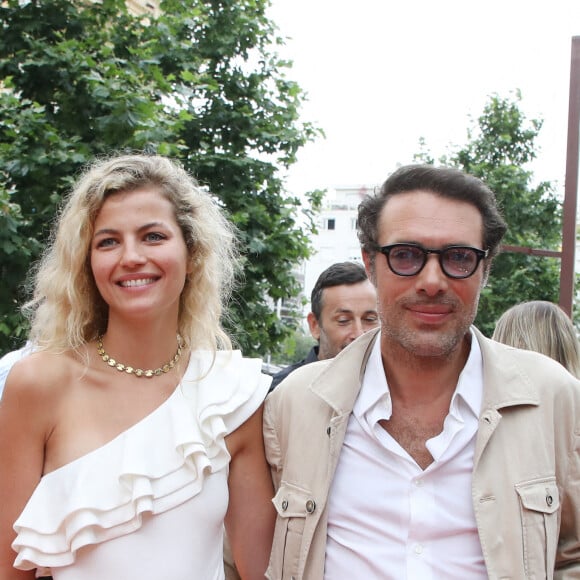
<point>381,74</point>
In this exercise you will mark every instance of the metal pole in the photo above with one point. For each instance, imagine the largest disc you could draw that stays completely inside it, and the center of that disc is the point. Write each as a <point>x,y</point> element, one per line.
<point>571,185</point>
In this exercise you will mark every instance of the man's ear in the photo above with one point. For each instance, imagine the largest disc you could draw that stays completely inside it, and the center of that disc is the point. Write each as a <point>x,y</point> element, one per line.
<point>314,326</point>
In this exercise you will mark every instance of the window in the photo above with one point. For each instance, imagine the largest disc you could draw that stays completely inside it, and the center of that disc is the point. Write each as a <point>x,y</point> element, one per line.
<point>329,224</point>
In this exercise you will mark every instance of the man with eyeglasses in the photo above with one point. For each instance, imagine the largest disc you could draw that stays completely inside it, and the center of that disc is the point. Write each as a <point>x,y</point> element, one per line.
<point>425,450</point>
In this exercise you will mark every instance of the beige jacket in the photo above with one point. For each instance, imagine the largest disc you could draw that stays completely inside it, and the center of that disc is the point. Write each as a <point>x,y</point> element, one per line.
<point>526,474</point>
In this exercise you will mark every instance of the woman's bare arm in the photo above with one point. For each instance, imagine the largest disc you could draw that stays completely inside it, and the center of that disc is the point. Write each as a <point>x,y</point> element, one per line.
<point>251,515</point>
<point>24,416</point>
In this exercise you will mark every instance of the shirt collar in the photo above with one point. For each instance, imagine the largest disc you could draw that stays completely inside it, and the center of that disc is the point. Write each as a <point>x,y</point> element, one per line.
<point>374,393</point>
<point>470,383</point>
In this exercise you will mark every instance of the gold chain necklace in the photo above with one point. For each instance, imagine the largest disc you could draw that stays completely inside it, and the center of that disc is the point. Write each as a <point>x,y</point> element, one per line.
<point>149,373</point>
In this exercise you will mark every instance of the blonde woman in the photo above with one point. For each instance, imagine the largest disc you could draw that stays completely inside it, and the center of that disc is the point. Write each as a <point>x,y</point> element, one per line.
<point>543,327</point>
<point>133,433</point>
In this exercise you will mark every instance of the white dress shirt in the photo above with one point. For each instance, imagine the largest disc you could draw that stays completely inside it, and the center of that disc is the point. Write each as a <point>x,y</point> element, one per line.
<point>390,519</point>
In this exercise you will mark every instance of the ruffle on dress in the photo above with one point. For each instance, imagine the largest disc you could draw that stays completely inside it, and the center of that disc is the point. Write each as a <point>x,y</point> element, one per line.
<point>153,466</point>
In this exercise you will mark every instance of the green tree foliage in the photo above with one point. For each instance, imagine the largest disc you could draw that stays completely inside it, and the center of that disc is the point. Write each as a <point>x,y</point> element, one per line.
<point>295,347</point>
<point>15,249</point>
<point>500,147</point>
<point>201,83</point>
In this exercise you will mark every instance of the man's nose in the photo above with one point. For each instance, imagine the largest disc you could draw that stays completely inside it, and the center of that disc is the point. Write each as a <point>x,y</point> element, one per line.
<point>356,328</point>
<point>431,279</point>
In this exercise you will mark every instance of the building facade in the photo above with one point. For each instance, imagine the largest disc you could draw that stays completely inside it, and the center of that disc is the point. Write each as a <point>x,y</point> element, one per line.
<point>337,239</point>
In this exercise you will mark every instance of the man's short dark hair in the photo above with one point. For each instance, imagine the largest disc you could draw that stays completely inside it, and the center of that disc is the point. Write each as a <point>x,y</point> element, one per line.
<point>447,182</point>
<point>339,274</point>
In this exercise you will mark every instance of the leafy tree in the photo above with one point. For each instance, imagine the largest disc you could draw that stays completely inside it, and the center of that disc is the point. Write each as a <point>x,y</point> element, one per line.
<point>202,83</point>
<point>295,347</point>
<point>19,249</point>
<point>500,146</point>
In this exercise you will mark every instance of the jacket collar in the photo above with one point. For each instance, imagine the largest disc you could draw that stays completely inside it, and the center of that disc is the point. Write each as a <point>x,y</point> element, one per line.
<point>340,382</point>
<point>506,381</point>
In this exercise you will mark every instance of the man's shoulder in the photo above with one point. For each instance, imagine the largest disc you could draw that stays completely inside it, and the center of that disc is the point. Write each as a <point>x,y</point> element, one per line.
<point>281,375</point>
<point>300,377</point>
<point>498,352</point>
<point>539,371</point>
<point>330,378</point>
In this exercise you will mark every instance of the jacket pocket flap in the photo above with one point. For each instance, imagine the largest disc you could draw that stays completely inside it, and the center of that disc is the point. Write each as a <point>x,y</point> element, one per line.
<point>540,495</point>
<point>292,501</point>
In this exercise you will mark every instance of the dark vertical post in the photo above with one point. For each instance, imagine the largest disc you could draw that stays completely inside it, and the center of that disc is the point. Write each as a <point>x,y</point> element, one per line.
<point>571,184</point>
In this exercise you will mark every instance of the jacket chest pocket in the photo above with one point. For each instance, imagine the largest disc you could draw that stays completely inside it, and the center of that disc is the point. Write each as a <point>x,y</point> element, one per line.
<point>539,508</point>
<point>293,506</point>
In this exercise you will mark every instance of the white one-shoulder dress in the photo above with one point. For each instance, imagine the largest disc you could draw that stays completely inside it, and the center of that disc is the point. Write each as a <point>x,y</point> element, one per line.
<point>150,504</point>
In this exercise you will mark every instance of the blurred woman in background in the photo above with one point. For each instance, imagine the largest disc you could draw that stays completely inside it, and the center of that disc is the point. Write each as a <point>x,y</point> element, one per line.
<point>544,327</point>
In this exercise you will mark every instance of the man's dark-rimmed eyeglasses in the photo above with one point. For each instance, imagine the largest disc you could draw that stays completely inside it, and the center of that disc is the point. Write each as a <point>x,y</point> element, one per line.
<point>456,261</point>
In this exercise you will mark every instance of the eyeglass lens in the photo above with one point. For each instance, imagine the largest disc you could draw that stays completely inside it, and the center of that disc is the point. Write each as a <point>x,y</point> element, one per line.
<point>459,262</point>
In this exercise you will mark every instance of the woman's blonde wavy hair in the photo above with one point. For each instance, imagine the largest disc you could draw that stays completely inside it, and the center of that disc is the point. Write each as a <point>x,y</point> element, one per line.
<point>543,327</point>
<point>66,309</point>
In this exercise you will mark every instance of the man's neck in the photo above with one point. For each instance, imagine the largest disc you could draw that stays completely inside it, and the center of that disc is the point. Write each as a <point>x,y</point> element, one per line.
<point>421,390</point>
<point>422,379</point>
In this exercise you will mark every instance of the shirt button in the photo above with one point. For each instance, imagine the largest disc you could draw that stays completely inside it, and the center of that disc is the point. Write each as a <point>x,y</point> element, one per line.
<point>285,505</point>
<point>419,482</point>
<point>418,549</point>
<point>310,506</point>
<point>549,500</point>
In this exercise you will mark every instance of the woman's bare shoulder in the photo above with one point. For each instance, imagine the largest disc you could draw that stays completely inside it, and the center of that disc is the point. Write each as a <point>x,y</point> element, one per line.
<point>41,374</point>
<point>34,394</point>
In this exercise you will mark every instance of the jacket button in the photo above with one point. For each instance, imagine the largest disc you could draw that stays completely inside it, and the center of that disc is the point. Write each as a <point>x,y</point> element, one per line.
<point>310,506</point>
<point>549,500</point>
<point>285,505</point>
